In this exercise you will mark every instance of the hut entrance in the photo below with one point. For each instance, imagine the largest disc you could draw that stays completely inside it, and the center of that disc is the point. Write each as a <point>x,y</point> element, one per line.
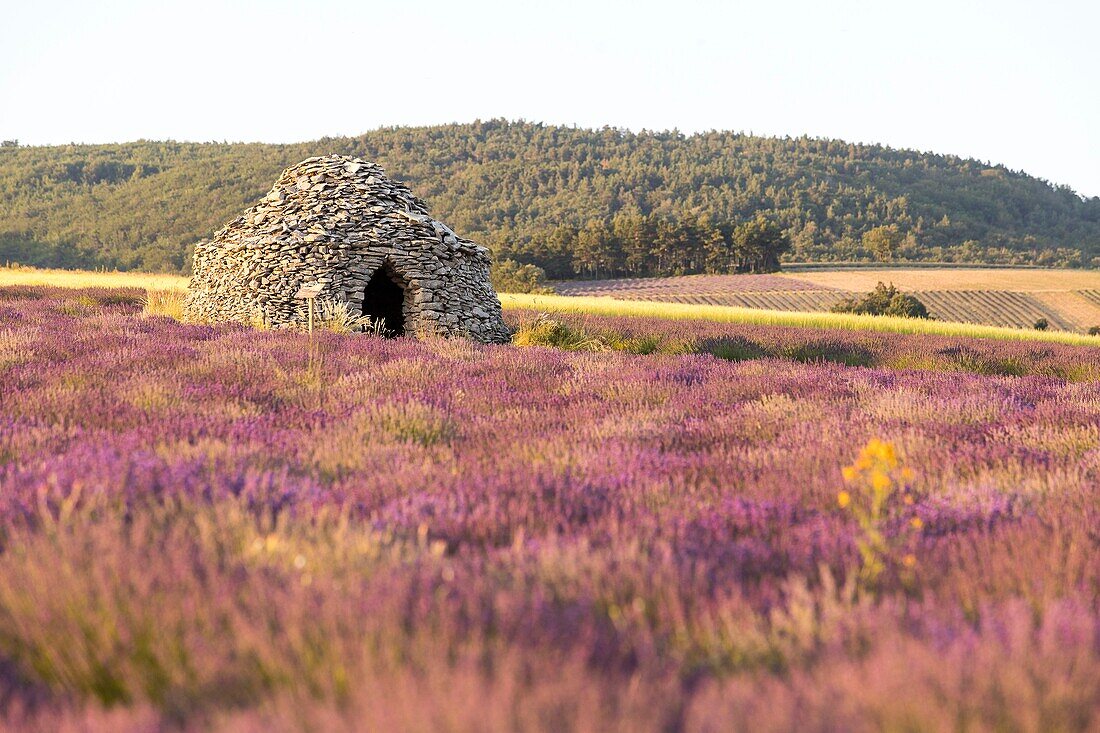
<point>384,302</point>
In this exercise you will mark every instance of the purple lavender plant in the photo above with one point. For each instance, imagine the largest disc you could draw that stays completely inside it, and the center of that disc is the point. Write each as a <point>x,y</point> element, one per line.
<point>205,528</point>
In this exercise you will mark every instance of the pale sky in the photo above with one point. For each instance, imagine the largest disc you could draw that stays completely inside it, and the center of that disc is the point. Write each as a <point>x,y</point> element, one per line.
<point>1009,82</point>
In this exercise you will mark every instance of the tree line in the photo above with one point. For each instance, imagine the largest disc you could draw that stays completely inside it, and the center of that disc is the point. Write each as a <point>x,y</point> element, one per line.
<point>645,246</point>
<point>570,200</point>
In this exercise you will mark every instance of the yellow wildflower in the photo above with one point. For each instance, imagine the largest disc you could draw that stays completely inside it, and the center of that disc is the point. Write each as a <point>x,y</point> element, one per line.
<point>880,449</point>
<point>877,486</point>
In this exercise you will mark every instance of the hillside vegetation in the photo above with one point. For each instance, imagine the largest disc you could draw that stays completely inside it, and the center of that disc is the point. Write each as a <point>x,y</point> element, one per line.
<point>573,201</point>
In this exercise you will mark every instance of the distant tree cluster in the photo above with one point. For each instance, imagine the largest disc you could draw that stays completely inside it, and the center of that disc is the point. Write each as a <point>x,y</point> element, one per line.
<point>509,276</point>
<point>566,199</point>
<point>884,300</point>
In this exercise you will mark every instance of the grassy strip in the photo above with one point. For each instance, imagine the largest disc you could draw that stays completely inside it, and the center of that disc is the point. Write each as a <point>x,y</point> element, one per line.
<point>752,316</point>
<point>86,279</point>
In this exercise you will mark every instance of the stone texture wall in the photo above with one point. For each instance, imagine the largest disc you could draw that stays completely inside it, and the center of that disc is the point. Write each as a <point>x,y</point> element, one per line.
<point>335,220</point>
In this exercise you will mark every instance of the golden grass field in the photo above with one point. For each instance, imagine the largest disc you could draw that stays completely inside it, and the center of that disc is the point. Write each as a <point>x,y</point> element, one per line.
<point>628,307</point>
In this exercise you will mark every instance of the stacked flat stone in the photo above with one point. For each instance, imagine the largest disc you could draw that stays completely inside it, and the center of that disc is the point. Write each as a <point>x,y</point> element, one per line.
<point>336,220</point>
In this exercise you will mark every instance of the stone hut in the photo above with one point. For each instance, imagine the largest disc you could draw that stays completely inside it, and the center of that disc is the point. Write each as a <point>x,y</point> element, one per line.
<point>340,223</point>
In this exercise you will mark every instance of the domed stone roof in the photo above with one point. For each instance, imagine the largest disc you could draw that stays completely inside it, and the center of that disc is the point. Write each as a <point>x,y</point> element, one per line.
<point>338,222</point>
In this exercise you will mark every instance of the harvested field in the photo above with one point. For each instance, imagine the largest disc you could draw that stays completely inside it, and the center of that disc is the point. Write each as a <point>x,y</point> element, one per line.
<point>1069,300</point>
<point>993,307</point>
<point>944,278</point>
<point>1073,307</point>
<point>1092,296</point>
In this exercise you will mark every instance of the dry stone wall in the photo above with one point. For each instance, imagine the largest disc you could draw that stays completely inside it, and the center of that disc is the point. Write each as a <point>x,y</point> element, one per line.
<point>336,221</point>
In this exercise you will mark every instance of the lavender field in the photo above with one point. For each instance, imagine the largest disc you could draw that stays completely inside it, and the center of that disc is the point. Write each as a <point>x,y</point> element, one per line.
<point>218,527</point>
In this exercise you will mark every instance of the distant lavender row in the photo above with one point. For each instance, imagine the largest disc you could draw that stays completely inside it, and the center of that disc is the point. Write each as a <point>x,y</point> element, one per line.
<point>217,527</point>
<point>688,285</point>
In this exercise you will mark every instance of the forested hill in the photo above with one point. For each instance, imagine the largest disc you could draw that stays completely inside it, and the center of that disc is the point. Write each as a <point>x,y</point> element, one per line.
<point>536,192</point>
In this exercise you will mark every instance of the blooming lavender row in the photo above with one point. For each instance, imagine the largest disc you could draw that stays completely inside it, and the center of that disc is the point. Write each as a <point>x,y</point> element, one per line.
<point>217,527</point>
<point>843,346</point>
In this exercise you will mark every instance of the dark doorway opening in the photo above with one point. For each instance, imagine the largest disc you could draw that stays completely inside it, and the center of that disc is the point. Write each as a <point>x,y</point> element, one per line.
<point>384,303</point>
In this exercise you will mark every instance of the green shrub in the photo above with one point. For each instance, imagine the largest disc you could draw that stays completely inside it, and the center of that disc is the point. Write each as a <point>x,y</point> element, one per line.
<point>545,331</point>
<point>1094,331</point>
<point>823,351</point>
<point>884,301</point>
<point>1042,324</point>
<point>968,360</point>
<point>733,348</point>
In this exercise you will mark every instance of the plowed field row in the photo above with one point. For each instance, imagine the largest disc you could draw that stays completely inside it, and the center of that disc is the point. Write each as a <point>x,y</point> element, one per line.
<point>807,300</point>
<point>1078,311</point>
<point>688,284</point>
<point>991,307</point>
<point>1092,296</point>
